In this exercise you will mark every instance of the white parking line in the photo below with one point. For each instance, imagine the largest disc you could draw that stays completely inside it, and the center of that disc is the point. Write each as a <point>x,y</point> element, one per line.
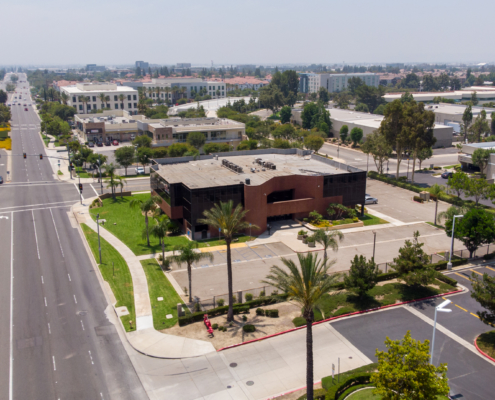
<point>56,231</point>
<point>36,236</point>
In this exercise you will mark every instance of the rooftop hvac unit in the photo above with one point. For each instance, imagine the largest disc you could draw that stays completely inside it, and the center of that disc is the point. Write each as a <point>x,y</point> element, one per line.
<point>248,181</point>
<point>274,166</point>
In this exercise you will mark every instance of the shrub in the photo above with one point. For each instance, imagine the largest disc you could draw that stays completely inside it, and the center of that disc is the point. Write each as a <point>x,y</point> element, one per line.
<point>301,232</point>
<point>215,326</point>
<point>220,302</point>
<point>248,328</point>
<point>249,297</point>
<point>353,380</point>
<point>260,311</point>
<point>241,309</point>
<point>305,219</point>
<point>403,178</point>
<point>433,197</point>
<point>418,199</point>
<point>234,299</point>
<point>355,219</point>
<point>262,293</point>
<point>197,307</point>
<point>299,321</point>
<point>271,313</point>
<point>489,256</point>
<point>244,318</point>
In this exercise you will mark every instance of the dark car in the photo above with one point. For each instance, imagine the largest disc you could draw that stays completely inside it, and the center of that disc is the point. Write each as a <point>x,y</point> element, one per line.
<point>447,175</point>
<point>1,180</point>
<point>99,144</point>
<point>108,143</point>
<point>91,144</point>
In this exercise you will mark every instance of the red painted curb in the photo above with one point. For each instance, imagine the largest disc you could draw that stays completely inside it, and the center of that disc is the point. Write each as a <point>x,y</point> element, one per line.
<point>334,318</point>
<point>481,351</point>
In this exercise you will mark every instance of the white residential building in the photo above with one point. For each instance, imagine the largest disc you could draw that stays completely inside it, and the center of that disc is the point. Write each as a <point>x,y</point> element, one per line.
<point>335,82</point>
<point>116,97</point>
<point>177,88</point>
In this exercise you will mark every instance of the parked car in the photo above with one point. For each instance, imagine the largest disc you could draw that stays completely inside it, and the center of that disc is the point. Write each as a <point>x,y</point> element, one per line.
<point>91,144</point>
<point>139,170</point>
<point>1,180</point>
<point>25,109</point>
<point>99,144</point>
<point>108,143</point>
<point>115,142</point>
<point>370,200</point>
<point>447,175</point>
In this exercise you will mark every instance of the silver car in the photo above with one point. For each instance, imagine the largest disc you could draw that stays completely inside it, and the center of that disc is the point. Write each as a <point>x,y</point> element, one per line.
<point>370,200</point>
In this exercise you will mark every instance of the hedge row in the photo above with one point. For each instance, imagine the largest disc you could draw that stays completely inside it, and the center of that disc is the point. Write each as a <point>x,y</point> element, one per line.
<point>335,392</point>
<point>318,394</point>
<point>238,308</point>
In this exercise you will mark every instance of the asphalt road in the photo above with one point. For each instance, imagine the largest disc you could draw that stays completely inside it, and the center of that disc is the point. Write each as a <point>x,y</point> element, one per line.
<point>56,341</point>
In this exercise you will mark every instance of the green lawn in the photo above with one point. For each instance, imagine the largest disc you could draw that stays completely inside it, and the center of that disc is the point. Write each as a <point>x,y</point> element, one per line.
<point>486,342</point>
<point>130,225</point>
<point>215,242</point>
<point>327,382</point>
<point>389,293</point>
<point>121,282</point>
<point>160,286</point>
<point>369,219</point>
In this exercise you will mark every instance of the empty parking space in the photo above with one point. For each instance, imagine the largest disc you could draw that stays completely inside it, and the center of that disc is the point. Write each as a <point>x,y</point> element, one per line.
<point>279,249</point>
<point>264,251</point>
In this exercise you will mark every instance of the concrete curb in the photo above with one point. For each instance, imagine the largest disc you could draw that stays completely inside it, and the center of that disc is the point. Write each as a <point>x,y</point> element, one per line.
<point>289,392</point>
<point>338,317</point>
<point>481,351</point>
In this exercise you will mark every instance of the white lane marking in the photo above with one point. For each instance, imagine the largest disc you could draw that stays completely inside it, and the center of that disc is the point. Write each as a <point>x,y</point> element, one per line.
<point>11,361</point>
<point>35,205</point>
<point>42,280</point>
<point>31,209</point>
<point>69,278</point>
<point>56,231</point>
<point>82,325</point>
<point>49,330</point>
<point>75,299</point>
<point>90,356</point>
<point>36,236</point>
<point>45,303</point>
<point>93,189</point>
<point>54,365</point>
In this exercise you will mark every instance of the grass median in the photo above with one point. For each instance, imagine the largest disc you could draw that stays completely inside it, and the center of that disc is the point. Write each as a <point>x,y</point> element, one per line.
<point>128,224</point>
<point>121,281</point>
<point>486,342</point>
<point>369,219</point>
<point>160,286</point>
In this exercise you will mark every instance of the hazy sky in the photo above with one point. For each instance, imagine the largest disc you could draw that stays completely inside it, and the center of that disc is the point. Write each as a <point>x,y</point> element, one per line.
<point>113,32</point>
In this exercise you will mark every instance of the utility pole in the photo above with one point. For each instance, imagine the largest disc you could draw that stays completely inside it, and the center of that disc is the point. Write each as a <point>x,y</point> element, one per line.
<point>70,165</point>
<point>99,167</point>
<point>98,228</point>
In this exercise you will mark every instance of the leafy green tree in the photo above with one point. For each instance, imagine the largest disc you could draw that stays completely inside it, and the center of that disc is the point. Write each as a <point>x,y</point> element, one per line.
<point>411,263</point>
<point>484,293</point>
<point>436,190</point>
<point>281,144</point>
<point>429,83</point>
<point>406,97</point>
<point>361,107</point>
<point>481,158</point>
<point>229,221</point>
<point>313,115</point>
<point>342,100</point>
<point>474,98</point>
<point>405,372</point>
<point>144,155</point>
<point>344,131</point>
<point>377,145</point>
<point>210,148</point>
<point>271,97</point>
<point>196,139</point>
<point>313,142</point>
<point>188,255</point>
<point>323,95</point>
<point>458,183</point>
<point>3,97</point>
<point>424,154</point>
<point>178,149</point>
<point>362,276</point>
<point>380,110</point>
<point>475,229</point>
<point>370,95</point>
<point>146,206</point>
<point>467,118</point>
<point>479,189</point>
<point>353,83</point>
<point>285,131</point>
<point>285,114</point>
<point>5,115</point>
<point>306,287</point>
<point>330,239</point>
<point>125,156</point>
<point>356,135</point>
<point>248,145</point>
<point>480,127</point>
<point>142,141</point>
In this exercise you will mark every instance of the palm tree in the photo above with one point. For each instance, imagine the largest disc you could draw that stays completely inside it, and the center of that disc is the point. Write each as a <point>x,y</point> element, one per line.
<point>107,99</point>
<point>102,99</point>
<point>183,90</point>
<point>229,221</point>
<point>158,90</point>
<point>84,100</point>
<point>160,231</point>
<point>328,240</point>
<point>150,92</point>
<point>306,287</point>
<point>121,99</point>
<point>110,170</point>
<point>65,97</point>
<point>167,93</point>
<point>448,215</point>
<point>175,90</point>
<point>188,256</point>
<point>120,182</point>
<point>146,206</point>
<point>436,190</point>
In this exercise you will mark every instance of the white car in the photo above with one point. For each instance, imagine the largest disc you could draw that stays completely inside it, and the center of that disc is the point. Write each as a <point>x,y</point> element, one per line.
<point>139,170</point>
<point>370,200</point>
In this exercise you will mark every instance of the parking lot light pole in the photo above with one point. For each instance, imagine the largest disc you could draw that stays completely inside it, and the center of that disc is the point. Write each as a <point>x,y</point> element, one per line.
<point>374,243</point>
<point>449,264</point>
<point>99,167</point>
<point>98,228</point>
<point>441,309</point>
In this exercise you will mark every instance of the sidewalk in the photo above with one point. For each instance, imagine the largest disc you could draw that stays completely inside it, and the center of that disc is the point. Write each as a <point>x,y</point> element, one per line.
<point>145,339</point>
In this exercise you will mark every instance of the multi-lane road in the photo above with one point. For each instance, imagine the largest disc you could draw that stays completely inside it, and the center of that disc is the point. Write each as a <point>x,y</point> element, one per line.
<point>56,341</point>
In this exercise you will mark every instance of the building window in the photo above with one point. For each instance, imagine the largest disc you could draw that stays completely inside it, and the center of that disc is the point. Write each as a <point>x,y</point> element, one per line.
<point>135,105</point>
<point>74,99</point>
<point>210,87</point>
<point>89,106</point>
<point>134,97</point>
<point>116,106</point>
<point>128,97</point>
<point>80,107</point>
<point>180,137</point>
<point>115,98</point>
<point>130,105</point>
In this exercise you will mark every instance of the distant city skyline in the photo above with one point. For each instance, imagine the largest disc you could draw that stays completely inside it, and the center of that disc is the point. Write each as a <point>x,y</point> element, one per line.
<point>274,32</point>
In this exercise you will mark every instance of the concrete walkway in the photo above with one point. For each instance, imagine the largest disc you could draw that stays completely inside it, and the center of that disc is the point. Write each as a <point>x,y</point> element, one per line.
<point>145,338</point>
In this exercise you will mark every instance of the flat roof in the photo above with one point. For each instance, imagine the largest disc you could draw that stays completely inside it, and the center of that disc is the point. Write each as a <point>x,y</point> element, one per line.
<point>211,173</point>
<point>118,89</point>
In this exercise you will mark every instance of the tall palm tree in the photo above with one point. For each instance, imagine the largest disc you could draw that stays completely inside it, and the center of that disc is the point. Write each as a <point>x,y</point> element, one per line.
<point>436,190</point>
<point>306,287</point>
<point>158,90</point>
<point>107,99</point>
<point>160,230</point>
<point>121,99</point>
<point>167,93</point>
<point>65,97</point>
<point>102,99</point>
<point>110,170</point>
<point>120,182</point>
<point>150,92</point>
<point>187,255</point>
<point>84,100</point>
<point>328,240</point>
<point>183,90</point>
<point>146,206</point>
<point>229,221</point>
<point>175,91</point>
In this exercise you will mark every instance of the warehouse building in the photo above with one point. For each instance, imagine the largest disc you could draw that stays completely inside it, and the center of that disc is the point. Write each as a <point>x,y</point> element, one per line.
<point>270,184</point>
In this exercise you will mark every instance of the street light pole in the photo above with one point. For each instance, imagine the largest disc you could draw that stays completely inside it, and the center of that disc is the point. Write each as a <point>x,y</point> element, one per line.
<point>99,167</point>
<point>98,229</point>
<point>374,243</point>
<point>441,309</point>
<point>70,166</point>
<point>449,264</point>
<point>407,175</point>
<point>367,163</point>
<point>80,192</point>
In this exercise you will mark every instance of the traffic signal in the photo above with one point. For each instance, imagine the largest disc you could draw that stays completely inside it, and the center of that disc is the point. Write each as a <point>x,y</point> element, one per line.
<point>80,187</point>
<point>41,156</point>
<point>24,155</point>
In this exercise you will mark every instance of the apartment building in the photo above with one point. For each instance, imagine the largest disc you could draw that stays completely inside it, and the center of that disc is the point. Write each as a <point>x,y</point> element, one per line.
<point>311,83</point>
<point>86,97</point>
<point>173,89</point>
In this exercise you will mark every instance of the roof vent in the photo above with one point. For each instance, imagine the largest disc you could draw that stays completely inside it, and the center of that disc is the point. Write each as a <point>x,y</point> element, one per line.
<point>248,181</point>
